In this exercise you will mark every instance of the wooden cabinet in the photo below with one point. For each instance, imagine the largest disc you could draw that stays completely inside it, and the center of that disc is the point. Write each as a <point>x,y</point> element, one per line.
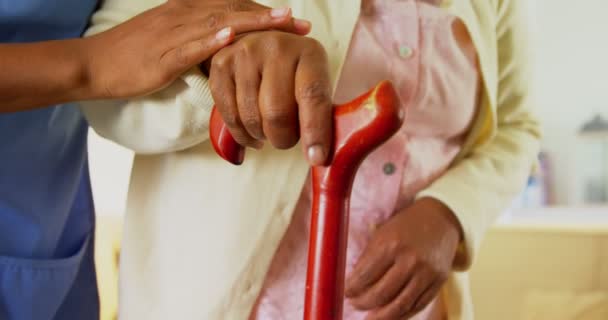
<point>545,262</point>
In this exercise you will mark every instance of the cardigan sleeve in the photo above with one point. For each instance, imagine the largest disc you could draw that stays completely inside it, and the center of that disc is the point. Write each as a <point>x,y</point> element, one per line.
<point>490,175</point>
<point>172,119</point>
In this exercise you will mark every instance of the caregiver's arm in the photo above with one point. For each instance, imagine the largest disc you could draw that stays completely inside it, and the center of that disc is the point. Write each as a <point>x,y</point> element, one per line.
<point>176,117</point>
<point>39,74</point>
<point>481,186</point>
<point>135,58</point>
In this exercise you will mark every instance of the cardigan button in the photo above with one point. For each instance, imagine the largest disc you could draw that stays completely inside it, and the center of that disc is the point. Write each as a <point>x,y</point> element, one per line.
<point>405,52</point>
<point>389,168</point>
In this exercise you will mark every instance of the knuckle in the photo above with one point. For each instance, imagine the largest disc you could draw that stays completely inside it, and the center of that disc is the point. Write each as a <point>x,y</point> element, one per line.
<point>416,262</point>
<point>250,102</point>
<point>213,20</point>
<point>365,278</point>
<point>273,44</point>
<point>316,93</point>
<point>392,246</point>
<point>221,62</point>
<point>237,5</point>
<point>169,12</point>
<point>165,17</point>
<point>246,48</point>
<point>313,126</point>
<point>232,121</point>
<point>249,117</point>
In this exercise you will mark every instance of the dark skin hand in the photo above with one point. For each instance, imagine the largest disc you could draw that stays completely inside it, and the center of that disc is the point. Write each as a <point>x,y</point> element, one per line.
<point>174,37</point>
<point>138,57</point>
<point>275,86</point>
<point>406,263</point>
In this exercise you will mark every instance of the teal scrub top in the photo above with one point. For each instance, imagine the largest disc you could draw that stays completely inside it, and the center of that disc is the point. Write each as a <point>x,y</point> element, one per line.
<point>46,208</point>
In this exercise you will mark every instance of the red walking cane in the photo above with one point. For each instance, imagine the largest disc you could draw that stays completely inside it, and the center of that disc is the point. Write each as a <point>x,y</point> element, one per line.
<point>360,127</point>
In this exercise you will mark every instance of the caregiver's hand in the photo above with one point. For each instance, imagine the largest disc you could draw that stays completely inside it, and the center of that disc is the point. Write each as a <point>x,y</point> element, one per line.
<point>406,263</point>
<point>151,50</point>
<point>135,58</point>
<point>276,86</point>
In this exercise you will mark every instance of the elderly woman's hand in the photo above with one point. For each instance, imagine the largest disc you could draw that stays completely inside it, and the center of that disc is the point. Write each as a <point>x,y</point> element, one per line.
<point>275,85</point>
<point>406,263</point>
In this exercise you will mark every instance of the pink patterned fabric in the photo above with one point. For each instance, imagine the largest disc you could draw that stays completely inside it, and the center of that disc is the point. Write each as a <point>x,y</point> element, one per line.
<point>431,60</point>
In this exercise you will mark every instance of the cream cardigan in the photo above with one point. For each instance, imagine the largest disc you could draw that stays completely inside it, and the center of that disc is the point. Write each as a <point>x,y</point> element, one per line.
<point>200,233</point>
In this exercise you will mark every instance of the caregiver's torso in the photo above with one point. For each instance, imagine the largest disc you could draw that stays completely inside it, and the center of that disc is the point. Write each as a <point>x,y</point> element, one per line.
<point>46,211</point>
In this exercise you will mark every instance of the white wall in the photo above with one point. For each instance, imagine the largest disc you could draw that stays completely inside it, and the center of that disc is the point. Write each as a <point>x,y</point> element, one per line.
<point>572,71</point>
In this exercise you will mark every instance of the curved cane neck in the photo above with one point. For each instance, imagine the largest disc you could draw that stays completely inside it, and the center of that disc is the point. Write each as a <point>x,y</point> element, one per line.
<point>360,126</point>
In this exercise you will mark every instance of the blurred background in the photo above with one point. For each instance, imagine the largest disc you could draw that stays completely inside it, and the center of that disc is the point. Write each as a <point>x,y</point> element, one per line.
<point>547,257</point>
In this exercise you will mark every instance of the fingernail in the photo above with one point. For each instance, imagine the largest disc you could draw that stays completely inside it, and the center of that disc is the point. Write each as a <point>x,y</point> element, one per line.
<point>223,34</point>
<point>301,24</point>
<point>280,12</point>
<point>258,145</point>
<point>316,155</point>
